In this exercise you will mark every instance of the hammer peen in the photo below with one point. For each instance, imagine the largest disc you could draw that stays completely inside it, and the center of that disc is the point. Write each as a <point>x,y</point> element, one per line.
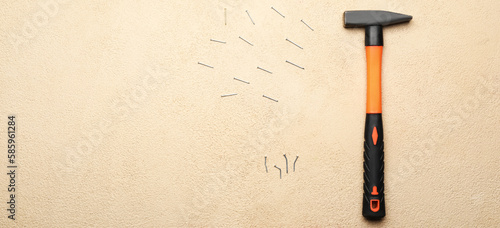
<point>373,21</point>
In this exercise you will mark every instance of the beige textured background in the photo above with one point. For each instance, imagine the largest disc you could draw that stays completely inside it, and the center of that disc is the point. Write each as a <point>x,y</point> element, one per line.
<point>118,124</point>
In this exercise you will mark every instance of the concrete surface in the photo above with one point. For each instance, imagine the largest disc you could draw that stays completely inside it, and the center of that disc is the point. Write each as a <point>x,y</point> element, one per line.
<point>118,125</point>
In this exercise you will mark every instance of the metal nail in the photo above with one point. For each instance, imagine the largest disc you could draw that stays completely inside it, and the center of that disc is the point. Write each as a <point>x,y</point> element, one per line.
<point>205,65</point>
<point>223,42</point>
<point>295,65</point>
<point>286,160</point>
<point>260,68</point>
<point>270,98</point>
<point>277,11</point>
<point>265,163</point>
<point>279,169</point>
<point>294,43</point>
<point>250,17</point>
<point>246,40</point>
<point>294,162</point>
<point>307,25</point>
<point>241,80</point>
<point>231,94</point>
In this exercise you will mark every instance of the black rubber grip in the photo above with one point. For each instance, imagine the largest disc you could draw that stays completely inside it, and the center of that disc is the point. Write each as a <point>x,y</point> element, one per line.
<point>373,196</point>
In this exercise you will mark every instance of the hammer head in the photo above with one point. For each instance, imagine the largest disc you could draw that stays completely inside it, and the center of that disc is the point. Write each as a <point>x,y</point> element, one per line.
<point>363,18</point>
<point>373,21</point>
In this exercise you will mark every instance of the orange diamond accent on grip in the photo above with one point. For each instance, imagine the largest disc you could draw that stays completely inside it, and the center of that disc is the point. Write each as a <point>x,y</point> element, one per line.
<point>375,136</point>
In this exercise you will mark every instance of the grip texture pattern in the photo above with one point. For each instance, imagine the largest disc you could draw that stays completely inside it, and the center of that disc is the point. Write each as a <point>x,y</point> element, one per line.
<point>373,165</point>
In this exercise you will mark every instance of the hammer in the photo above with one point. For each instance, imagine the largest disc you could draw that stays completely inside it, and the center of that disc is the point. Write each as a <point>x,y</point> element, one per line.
<point>373,21</point>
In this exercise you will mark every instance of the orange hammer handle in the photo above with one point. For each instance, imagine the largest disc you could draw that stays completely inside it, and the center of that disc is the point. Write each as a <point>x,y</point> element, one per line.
<point>373,83</point>
<point>373,195</point>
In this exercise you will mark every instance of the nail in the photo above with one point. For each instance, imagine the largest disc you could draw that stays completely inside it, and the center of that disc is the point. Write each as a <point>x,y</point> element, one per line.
<point>307,25</point>
<point>265,163</point>
<point>241,80</point>
<point>225,16</point>
<point>270,98</point>
<point>218,41</point>
<point>295,65</point>
<point>250,17</point>
<point>286,160</point>
<point>294,162</point>
<point>294,43</point>
<point>279,169</point>
<point>231,94</point>
<point>277,11</point>
<point>246,41</point>
<point>264,70</point>
<point>205,65</point>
